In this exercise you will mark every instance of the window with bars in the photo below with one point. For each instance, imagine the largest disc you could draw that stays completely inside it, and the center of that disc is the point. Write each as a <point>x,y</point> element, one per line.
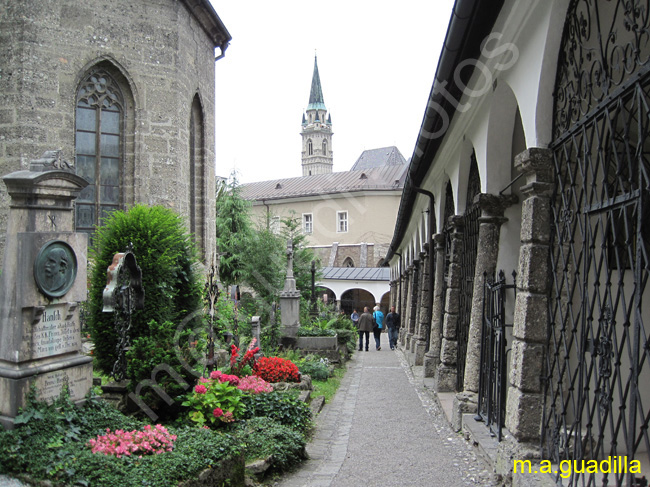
<point>342,221</point>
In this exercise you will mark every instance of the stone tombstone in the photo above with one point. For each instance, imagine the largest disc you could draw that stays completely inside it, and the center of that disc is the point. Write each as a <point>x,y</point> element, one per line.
<point>289,301</point>
<point>42,281</point>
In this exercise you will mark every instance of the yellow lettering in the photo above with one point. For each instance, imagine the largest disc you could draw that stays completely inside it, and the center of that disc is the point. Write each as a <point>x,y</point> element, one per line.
<point>565,469</point>
<point>635,466</point>
<point>606,465</point>
<point>523,464</point>
<point>545,467</point>
<point>592,466</point>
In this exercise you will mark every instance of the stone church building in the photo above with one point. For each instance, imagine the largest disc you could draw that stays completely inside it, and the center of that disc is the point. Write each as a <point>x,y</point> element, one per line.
<point>520,255</point>
<point>125,90</point>
<point>347,216</point>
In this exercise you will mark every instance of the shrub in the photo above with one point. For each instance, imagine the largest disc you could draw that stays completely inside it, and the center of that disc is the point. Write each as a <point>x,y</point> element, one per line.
<point>280,406</point>
<point>166,255</point>
<point>265,437</point>
<point>124,443</point>
<point>242,366</point>
<point>214,402</point>
<point>276,369</point>
<point>315,367</point>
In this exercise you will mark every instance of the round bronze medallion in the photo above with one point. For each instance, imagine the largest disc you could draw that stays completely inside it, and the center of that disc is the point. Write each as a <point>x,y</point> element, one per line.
<point>55,268</point>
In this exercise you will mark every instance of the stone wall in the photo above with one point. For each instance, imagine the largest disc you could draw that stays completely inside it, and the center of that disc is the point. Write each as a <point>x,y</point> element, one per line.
<point>165,58</point>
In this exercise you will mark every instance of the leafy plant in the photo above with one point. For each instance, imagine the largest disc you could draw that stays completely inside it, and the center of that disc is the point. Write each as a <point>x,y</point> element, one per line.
<point>214,402</point>
<point>137,442</point>
<point>318,368</point>
<point>265,437</point>
<point>165,253</point>
<point>283,407</point>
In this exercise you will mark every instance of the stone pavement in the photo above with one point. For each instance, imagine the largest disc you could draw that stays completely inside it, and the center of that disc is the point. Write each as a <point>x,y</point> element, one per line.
<point>383,428</point>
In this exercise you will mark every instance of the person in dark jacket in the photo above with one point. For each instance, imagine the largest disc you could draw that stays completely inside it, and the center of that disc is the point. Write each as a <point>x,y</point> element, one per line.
<point>365,327</point>
<point>393,323</point>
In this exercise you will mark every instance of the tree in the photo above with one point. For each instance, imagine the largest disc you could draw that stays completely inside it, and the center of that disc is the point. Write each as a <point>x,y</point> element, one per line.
<point>234,230</point>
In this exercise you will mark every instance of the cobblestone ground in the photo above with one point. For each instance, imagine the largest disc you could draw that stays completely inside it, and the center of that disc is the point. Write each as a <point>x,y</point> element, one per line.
<point>384,428</point>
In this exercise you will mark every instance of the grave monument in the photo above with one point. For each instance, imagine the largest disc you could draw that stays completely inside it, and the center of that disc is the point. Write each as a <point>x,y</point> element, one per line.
<point>289,302</point>
<point>42,281</point>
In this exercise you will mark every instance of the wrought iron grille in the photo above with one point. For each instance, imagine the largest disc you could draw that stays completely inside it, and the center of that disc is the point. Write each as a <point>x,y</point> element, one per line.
<point>493,382</point>
<point>597,399</point>
<point>468,266</point>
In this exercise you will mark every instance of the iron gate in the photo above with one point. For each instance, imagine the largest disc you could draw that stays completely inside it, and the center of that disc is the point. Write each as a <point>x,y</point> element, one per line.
<point>597,399</point>
<point>493,382</point>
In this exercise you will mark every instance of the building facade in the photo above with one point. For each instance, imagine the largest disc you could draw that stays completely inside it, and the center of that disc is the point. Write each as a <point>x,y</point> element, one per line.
<point>519,258</point>
<point>125,90</point>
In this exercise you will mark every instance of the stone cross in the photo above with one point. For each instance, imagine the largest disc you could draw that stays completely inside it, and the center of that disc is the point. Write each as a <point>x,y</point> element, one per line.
<point>289,258</point>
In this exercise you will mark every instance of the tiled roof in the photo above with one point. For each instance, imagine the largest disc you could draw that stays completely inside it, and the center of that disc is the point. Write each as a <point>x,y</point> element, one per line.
<point>357,273</point>
<point>386,156</point>
<point>383,178</point>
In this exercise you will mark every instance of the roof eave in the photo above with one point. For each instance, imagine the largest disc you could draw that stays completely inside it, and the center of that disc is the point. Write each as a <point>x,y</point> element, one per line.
<point>207,17</point>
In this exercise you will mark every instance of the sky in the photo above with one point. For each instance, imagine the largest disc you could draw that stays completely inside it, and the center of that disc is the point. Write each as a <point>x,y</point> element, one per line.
<point>376,61</point>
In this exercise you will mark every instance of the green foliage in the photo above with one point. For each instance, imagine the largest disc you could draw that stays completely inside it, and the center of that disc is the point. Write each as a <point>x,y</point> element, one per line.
<point>50,443</point>
<point>173,346</point>
<point>315,332</point>
<point>265,437</point>
<point>167,257</point>
<point>217,396</point>
<point>282,407</point>
<point>234,229</point>
<point>318,368</point>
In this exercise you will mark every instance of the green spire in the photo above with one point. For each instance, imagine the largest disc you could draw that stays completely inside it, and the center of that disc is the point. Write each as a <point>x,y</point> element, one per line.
<point>316,101</point>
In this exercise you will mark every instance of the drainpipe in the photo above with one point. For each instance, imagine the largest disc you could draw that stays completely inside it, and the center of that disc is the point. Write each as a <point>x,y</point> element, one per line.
<point>222,48</point>
<point>268,216</point>
<point>432,201</point>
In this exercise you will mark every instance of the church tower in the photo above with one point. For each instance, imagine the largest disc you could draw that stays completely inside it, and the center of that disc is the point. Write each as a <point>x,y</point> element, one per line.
<point>317,156</point>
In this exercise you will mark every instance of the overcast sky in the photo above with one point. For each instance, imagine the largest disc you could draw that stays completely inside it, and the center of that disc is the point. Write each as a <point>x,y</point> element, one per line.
<point>376,61</point>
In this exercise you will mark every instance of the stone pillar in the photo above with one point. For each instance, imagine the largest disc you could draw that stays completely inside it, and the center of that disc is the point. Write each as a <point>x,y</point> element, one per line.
<point>445,376</point>
<point>406,300</point>
<point>525,399</point>
<point>418,304</point>
<point>490,221</point>
<point>42,282</point>
<point>432,357</point>
<point>412,304</point>
<point>393,293</point>
<point>420,340</point>
<point>289,303</point>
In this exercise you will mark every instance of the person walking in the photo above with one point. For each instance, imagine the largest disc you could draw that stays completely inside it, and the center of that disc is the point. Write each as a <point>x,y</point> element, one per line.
<point>355,318</point>
<point>378,317</point>
<point>365,327</point>
<point>392,324</point>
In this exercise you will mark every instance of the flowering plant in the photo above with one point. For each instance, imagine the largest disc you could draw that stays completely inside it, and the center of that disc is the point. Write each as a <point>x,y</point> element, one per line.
<point>242,366</point>
<point>215,400</point>
<point>276,369</point>
<point>254,385</point>
<point>152,440</point>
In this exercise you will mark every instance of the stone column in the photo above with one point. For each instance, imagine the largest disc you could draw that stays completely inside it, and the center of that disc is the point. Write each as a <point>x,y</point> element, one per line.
<point>445,377</point>
<point>412,304</point>
<point>42,282</point>
<point>393,293</point>
<point>525,399</point>
<point>432,357</point>
<point>420,342</point>
<point>289,303</point>
<point>490,221</point>
<point>407,279</point>
<point>418,304</point>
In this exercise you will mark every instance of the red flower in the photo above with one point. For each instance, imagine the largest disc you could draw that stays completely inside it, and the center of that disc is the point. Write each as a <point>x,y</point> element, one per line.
<point>276,369</point>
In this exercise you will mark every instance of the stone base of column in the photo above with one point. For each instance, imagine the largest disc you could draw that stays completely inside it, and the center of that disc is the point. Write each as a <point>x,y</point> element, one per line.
<point>510,449</point>
<point>430,363</point>
<point>402,336</point>
<point>407,341</point>
<point>419,350</point>
<point>464,403</point>
<point>445,378</point>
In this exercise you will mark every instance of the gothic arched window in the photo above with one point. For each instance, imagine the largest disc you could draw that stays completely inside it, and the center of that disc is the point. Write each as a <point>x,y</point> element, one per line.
<point>197,172</point>
<point>348,262</point>
<point>324,147</point>
<point>99,147</point>
<point>310,148</point>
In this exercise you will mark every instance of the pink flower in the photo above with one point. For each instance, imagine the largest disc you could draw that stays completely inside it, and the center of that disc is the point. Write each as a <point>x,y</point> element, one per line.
<point>204,380</point>
<point>215,374</point>
<point>217,412</point>
<point>200,389</point>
